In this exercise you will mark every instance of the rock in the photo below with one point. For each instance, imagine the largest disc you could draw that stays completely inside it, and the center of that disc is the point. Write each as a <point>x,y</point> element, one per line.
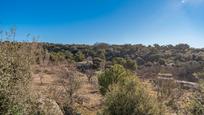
<point>49,107</point>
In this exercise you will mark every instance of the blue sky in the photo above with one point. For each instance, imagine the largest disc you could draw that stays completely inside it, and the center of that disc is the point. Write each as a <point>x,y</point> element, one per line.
<point>110,21</point>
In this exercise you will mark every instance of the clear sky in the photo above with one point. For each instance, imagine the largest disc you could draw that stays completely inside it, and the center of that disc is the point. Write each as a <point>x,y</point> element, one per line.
<point>110,21</point>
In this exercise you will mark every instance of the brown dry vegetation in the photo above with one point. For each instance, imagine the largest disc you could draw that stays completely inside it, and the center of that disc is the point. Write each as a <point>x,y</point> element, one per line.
<point>87,99</point>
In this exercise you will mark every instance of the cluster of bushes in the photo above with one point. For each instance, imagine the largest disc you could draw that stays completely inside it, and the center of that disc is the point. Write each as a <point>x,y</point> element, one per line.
<point>181,60</point>
<point>127,63</point>
<point>123,92</point>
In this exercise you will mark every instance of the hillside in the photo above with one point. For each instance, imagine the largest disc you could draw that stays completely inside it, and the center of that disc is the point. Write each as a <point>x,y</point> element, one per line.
<point>101,78</point>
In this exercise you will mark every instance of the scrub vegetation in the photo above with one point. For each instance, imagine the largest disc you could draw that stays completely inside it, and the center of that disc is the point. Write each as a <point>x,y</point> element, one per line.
<point>54,79</point>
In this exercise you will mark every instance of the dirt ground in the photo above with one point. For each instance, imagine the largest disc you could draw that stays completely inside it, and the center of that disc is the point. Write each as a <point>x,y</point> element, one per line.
<point>89,99</point>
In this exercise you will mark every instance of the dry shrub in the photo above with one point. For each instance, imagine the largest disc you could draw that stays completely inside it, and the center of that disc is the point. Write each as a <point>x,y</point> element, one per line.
<point>169,92</point>
<point>197,103</point>
<point>65,92</point>
<point>15,77</point>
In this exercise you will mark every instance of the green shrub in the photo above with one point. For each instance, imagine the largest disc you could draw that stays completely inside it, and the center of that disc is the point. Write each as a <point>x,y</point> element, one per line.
<point>197,103</point>
<point>127,63</point>
<point>57,57</point>
<point>119,60</point>
<point>79,56</point>
<point>131,65</point>
<point>129,98</point>
<point>124,94</point>
<point>115,74</point>
<point>197,107</point>
<point>98,63</point>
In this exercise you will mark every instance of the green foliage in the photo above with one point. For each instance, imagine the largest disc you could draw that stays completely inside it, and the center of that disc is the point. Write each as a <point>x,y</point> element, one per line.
<point>115,74</point>
<point>124,94</point>
<point>98,63</point>
<point>197,104</point>
<point>127,63</point>
<point>199,75</point>
<point>130,98</point>
<point>101,54</point>
<point>57,57</point>
<point>197,107</point>
<point>174,59</point>
<point>119,60</point>
<point>79,56</point>
<point>131,64</point>
<point>69,55</point>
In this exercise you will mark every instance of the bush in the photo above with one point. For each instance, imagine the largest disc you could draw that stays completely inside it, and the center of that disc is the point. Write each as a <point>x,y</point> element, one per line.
<point>57,57</point>
<point>127,63</point>
<point>119,60</point>
<point>71,83</point>
<point>129,98</point>
<point>79,56</point>
<point>197,104</point>
<point>98,63</point>
<point>15,78</point>
<point>131,65</point>
<point>115,74</point>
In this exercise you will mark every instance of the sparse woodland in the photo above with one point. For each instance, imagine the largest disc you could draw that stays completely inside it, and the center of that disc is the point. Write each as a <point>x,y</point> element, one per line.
<point>100,79</point>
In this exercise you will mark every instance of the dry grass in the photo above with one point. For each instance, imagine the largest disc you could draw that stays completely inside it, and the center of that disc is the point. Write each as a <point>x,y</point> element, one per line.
<point>87,100</point>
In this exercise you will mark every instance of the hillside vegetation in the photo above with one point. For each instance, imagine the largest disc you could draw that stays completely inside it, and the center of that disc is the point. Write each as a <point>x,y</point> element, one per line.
<point>55,79</point>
